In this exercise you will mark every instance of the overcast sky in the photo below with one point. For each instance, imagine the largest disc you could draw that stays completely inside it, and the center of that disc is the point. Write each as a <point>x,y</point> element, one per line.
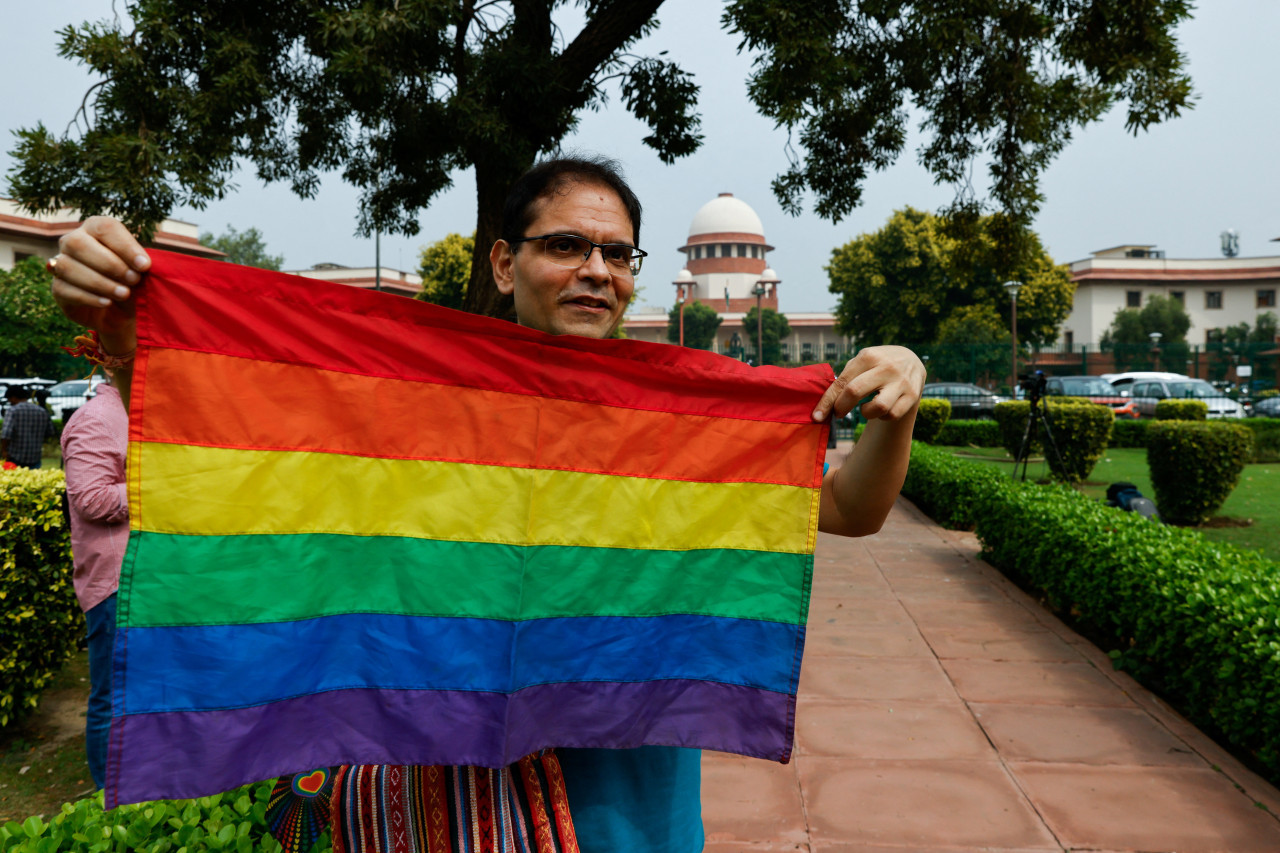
<point>1177,186</point>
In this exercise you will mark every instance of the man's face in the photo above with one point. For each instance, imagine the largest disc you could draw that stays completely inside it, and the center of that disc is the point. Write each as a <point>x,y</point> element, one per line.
<point>586,300</point>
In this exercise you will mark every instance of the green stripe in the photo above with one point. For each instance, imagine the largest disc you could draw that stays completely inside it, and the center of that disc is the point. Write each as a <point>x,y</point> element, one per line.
<point>212,580</point>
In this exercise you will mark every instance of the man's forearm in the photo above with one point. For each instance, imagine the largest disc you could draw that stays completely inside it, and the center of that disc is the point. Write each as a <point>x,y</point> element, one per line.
<point>862,491</point>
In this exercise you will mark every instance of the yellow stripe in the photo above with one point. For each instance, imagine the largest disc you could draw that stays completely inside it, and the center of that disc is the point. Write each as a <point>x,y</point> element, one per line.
<point>202,490</point>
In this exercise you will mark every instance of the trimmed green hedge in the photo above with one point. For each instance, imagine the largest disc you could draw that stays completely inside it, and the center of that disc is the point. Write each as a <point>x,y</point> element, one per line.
<point>1182,410</point>
<point>1266,438</point>
<point>1081,432</point>
<point>234,822</point>
<point>970,434</point>
<point>1195,465</point>
<point>40,622</point>
<point>1196,621</point>
<point>1129,433</point>
<point>930,417</point>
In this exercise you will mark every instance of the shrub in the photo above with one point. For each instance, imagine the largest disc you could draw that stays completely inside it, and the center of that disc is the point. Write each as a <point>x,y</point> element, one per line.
<point>1194,466</point>
<point>40,621</point>
<point>945,486</point>
<point>1262,395</point>
<point>1197,621</point>
<point>930,418</point>
<point>970,434</point>
<point>234,822</point>
<point>1129,433</point>
<point>1182,410</point>
<point>1081,431</point>
<point>1266,438</point>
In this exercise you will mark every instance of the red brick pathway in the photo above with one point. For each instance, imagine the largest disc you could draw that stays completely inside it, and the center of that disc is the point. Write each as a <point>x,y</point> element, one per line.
<point>941,709</point>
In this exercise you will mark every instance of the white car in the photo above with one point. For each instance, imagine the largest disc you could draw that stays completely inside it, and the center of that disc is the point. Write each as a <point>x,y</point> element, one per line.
<point>1147,393</point>
<point>1123,382</point>
<point>66,397</point>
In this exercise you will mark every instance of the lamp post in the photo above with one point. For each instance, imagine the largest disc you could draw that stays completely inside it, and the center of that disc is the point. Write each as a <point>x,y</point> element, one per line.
<point>1013,287</point>
<point>764,286</point>
<point>684,279</point>
<point>1155,349</point>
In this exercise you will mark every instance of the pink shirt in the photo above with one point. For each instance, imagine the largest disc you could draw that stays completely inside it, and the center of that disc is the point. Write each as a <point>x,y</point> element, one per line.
<point>94,443</point>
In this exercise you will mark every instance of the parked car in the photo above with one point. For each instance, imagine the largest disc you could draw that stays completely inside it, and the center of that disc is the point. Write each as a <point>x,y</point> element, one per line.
<point>1147,394</point>
<point>1123,382</point>
<point>66,397</point>
<point>1094,388</point>
<point>1268,407</point>
<point>39,390</point>
<point>967,401</point>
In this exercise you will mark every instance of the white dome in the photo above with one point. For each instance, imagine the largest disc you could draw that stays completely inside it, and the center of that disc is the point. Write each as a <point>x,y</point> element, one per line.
<point>726,214</point>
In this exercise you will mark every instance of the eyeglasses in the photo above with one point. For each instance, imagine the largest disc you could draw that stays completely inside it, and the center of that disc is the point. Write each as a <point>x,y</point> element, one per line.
<point>568,250</point>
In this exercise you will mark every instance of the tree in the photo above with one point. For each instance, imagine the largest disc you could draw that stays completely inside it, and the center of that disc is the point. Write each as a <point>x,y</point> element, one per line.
<point>973,341</point>
<point>445,267</point>
<point>901,283</point>
<point>773,327</point>
<point>700,324</point>
<point>32,328</point>
<point>246,248</point>
<point>1129,337</point>
<point>399,95</point>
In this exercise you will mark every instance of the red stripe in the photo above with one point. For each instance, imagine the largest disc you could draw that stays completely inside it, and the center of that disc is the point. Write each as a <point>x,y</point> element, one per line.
<point>190,303</point>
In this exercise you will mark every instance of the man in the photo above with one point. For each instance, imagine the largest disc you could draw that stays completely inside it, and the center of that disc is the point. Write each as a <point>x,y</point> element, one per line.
<point>94,443</point>
<point>26,426</point>
<point>567,257</point>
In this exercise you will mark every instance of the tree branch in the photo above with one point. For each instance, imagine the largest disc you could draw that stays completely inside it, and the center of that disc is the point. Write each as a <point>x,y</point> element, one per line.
<point>602,36</point>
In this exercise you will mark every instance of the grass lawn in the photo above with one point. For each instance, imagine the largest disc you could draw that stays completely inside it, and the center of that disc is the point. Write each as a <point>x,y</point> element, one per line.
<point>1255,499</point>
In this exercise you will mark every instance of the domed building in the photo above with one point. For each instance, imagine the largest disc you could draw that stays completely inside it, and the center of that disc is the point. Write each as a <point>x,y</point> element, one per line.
<point>725,263</point>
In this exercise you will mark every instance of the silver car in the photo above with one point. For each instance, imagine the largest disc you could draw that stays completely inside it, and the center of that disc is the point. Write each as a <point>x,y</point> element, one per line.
<point>66,397</point>
<point>1148,393</point>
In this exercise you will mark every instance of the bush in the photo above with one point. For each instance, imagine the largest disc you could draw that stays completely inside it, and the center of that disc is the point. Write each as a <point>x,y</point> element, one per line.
<point>40,621</point>
<point>970,434</point>
<point>1266,438</point>
<point>1193,620</point>
<point>234,822</point>
<point>1129,433</point>
<point>1182,410</point>
<point>946,487</point>
<point>1194,466</point>
<point>930,418</point>
<point>1081,431</point>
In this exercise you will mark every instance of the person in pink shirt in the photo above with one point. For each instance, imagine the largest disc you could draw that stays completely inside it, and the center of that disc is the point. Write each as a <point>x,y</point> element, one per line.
<point>94,443</point>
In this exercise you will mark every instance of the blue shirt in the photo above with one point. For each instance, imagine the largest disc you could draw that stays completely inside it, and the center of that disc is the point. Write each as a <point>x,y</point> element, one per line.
<point>646,799</point>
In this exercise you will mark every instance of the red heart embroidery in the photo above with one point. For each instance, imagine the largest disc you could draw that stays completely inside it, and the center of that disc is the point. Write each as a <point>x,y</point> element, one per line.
<point>312,782</point>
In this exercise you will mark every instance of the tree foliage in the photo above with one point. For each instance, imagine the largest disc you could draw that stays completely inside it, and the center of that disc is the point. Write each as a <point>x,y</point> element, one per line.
<point>1264,331</point>
<point>445,267</point>
<point>246,248</point>
<point>773,327</point>
<point>399,95</point>
<point>973,341</point>
<point>1128,338</point>
<point>32,327</point>
<point>701,322</point>
<point>916,277</point>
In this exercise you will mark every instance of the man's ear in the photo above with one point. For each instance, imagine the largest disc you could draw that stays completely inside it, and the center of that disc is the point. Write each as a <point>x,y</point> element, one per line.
<point>503,261</point>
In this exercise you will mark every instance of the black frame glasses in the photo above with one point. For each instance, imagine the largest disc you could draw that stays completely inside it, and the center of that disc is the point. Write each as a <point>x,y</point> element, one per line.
<point>630,264</point>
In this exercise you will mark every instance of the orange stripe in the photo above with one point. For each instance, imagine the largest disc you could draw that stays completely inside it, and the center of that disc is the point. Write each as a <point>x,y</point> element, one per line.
<point>224,401</point>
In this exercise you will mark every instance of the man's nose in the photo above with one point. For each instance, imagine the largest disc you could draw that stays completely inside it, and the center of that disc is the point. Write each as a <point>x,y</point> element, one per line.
<point>594,266</point>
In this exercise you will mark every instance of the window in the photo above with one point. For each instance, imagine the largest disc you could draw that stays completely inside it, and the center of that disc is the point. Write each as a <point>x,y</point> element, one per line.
<point>832,349</point>
<point>1212,336</point>
<point>755,251</point>
<point>742,250</point>
<point>19,257</point>
<point>1069,338</point>
<point>1267,298</point>
<point>1179,296</point>
<point>1133,298</point>
<point>1213,299</point>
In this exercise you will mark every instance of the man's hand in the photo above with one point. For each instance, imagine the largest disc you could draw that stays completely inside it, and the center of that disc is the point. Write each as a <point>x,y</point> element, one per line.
<point>94,275</point>
<point>895,375</point>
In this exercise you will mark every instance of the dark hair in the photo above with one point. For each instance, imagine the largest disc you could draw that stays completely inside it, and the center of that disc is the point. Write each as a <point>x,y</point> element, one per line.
<point>17,392</point>
<point>556,175</point>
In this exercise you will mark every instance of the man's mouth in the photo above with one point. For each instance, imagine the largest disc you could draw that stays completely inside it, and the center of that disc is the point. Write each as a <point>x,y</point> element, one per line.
<point>590,303</point>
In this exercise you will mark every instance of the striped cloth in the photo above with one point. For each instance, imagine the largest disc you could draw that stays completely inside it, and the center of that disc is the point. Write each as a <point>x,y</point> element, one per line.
<point>367,530</point>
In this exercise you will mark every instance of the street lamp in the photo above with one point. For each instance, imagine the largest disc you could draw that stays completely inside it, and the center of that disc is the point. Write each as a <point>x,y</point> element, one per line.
<point>1155,348</point>
<point>684,279</point>
<point>1013,287</point>
<point>764,286</point>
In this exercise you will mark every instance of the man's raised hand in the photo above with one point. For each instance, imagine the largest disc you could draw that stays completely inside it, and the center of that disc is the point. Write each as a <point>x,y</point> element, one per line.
<point>895,375</point>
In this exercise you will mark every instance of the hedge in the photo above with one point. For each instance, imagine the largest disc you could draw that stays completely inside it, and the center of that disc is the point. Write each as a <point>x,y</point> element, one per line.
<point>1266,438</point>
<point>930,417</point>
<point>1196,621</point>
<point>1081,431</point>
<point>970,434</point>
<point>1182,410</point>
<point>41,624</point>
<point>233,822</point>
<point>1195,465</point>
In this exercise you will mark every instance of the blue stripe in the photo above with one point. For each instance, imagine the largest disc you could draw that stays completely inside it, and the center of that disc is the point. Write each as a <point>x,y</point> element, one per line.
<point>203,667</point>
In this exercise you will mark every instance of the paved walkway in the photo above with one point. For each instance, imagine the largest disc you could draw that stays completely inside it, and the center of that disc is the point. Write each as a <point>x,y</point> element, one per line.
<point>941,709</point>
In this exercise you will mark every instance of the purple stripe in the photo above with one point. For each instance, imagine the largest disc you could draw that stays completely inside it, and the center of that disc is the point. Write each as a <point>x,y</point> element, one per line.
<point>184,754</point>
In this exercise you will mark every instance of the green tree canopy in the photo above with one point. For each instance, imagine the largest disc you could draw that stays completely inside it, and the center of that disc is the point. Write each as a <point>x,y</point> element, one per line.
<point>32,327</point>
<point>445,267</point>
<point>972,342</point>
<point>773,328</point>
<point>400,94</point>
<point>701,322</point>
<point>246,248</point>
<point>1129,337</point>
<point>899,285</point>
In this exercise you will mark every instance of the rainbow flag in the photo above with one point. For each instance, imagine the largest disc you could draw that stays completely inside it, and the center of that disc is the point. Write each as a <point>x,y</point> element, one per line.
<point>369,530</point>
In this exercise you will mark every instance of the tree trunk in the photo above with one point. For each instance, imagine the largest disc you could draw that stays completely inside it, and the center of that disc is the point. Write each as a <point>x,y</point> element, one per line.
<point>492,185</point>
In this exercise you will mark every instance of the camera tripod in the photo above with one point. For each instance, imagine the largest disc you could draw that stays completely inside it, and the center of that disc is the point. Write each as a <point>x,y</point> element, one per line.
<point>1039,415</point>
